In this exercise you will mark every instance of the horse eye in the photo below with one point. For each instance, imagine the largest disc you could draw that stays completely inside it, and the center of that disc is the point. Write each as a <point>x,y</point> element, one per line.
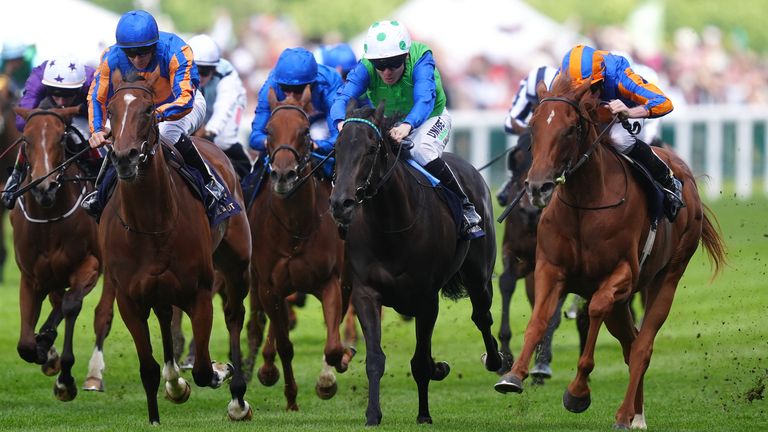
<point>149,111</point>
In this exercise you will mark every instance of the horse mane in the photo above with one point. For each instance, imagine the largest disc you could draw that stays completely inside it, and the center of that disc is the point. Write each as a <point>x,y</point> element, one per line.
<point>133,76</point>
<point>386,123</point>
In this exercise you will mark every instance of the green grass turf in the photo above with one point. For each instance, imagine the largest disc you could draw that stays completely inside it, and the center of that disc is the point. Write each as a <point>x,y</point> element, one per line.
<point>711,353</point>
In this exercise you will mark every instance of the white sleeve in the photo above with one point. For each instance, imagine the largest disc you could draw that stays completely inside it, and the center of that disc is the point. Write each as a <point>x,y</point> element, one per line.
<point>520,110</point>
<point>230,95</point>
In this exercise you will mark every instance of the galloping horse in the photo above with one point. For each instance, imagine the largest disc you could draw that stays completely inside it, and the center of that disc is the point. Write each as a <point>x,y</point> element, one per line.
<point>591,237</point>
<point>56,248</point>
<point>402,249</point>
<point>8,137</point>
<point>158,247</point>
<point>304,252</point>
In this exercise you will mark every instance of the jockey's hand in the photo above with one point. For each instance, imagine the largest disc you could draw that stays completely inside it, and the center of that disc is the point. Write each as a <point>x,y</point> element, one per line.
<point>623,112</point>
<point>340,125</point>
<point>400,131</point>
<point>99,138</point>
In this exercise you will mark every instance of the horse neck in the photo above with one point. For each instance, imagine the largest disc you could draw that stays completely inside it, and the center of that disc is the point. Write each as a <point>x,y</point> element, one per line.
<point>299,211</point>
<point>391,207</point>
<point>587,185</point>
<point>149,203</point>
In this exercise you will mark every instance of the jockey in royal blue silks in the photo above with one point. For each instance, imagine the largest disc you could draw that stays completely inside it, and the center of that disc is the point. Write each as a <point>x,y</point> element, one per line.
<point>297,68</point>
<point>632,96</point>
<point>405,76</point>
<point>180,109</point>
<point>62,81</point>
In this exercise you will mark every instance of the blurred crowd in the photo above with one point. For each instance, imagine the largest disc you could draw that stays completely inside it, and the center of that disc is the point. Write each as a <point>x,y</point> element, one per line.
<point>697,68</point>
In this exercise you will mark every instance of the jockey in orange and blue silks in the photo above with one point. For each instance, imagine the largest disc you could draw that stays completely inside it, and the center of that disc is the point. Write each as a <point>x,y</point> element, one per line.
<point>629,95</point>
<point>141,50</point>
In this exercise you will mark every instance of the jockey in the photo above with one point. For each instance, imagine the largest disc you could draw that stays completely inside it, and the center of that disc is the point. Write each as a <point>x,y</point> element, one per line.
<point>339,56</point>
<point>224,100</point>
<point>405,76</point>
<point>16,61</point>
<point>60,82</point>
<point>650,132</point>
<point>627,94</point>
<point>297,68</point>
<point>516,122</point>
<point>142,49</point>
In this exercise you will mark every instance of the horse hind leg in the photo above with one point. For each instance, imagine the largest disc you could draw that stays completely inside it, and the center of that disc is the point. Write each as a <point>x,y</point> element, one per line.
<point>507,283</point>
<point>235,288</point>
<point>102,324</point>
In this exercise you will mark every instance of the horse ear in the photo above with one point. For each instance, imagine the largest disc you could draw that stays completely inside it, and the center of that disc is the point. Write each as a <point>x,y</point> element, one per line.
<point>117,78</point>
<point>541,90</point>
<point>23,112</point>
<point>69,112</point>
<point>306,99</point>
<point>378,115</point>
<point>272,99</point>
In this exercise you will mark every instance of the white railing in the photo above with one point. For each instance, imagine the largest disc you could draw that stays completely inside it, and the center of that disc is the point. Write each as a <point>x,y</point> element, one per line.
<point>711,120</point>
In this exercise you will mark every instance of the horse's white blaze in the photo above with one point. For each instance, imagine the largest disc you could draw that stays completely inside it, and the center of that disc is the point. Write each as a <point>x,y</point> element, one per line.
<point>46,159</point>
<point>551,116</point>
<point>96,364</point>
<point>128,98</point>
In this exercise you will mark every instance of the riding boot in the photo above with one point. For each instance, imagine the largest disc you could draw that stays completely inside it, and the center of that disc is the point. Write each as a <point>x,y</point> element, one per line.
<point>193,158</point>
<point>502,196</point>
<point>11,186</point>
<point>664,176</point>
<point>471,224</point>
<point>90,202</point>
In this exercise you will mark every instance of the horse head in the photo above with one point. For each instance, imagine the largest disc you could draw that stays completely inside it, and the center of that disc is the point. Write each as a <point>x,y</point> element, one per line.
<point>44,147</point>
<point>361,156</point>
<point>131,112</point>
<point>560,127</point>
<point>288,142</point>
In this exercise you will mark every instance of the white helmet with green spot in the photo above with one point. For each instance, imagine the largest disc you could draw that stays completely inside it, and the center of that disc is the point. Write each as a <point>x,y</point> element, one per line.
<point>386,39</point>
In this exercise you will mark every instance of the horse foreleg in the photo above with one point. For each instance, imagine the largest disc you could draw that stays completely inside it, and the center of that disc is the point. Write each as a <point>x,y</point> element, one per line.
<point>235,288</point>
<point>368,307</point>
<point>102,324</point>
<point>332,312</point>
<point>135,320</point>
<point>256,323</point>
<point>277,310</point>
<point>620,323</point>
<point>423,367</point>
<point>201,317</point>
<point>30,303</point>
<point>543,357</point>
<point>177,389</point>
<point>615,288</point>
<point>549,287</point>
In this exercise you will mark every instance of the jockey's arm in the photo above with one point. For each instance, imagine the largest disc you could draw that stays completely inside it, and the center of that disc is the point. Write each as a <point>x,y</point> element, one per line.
<point>357,83</point>
<point>424,91</point>
<point>258,137</point>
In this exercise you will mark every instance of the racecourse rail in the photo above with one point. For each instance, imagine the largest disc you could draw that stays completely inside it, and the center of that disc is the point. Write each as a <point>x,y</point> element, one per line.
<point>725,142</point>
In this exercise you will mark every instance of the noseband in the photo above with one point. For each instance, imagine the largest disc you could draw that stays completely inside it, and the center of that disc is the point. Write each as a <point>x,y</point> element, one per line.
<point>302,161</point>
<point>145,152</point>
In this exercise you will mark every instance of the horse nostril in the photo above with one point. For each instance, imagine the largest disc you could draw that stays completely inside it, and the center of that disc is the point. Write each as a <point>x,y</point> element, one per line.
<point>292,175</point>
<point>273,176</point>
<point>347,203</point>
<point>547,187</point>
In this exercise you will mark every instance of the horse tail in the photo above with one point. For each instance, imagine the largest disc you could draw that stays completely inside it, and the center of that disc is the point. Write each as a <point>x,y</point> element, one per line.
<point>712,241</point>
<point>455,289</point>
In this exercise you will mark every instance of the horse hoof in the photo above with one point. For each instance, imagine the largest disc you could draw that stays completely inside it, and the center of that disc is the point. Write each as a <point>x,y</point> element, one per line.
<point>441,370</point>
<point>268,376</point>
<point>239,413</point>
<point>618,426</point>
<point>93,384</point>
<point>494,364</point>
<point>52,365</point>
<point>349,354</point>
<point>424,420</point>
<point>576,404</point>
<point>64,393</point>
<point>188,363</point>
<point>541,370</point>
<point>292,407</point>
<point>181,398</point>
<point>373,421</point>
<point>509,384</point>
<point>326,392</point>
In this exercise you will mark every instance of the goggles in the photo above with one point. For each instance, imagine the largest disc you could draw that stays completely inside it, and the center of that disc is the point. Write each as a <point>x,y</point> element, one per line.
<point>388,63</point>
<point>138,51</point>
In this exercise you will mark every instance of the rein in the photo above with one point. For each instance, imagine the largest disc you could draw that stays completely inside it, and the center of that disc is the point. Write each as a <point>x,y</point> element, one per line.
<point>301,161</point>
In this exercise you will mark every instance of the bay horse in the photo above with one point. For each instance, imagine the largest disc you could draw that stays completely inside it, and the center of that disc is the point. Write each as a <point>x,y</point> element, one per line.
<point>56,251</point>
<point>590,240</point>
<point>302,249</point>
<point>402,249</point>
<point>8,139</point>
<point>518,251</point>
<point>160,250</point>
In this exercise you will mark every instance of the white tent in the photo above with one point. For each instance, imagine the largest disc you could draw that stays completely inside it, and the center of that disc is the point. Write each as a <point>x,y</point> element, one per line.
<point>503,30</point>
<point>60,26</point>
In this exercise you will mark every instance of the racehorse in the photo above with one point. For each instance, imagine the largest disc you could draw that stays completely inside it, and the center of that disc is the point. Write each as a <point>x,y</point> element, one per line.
<point>56,248</point>
<point>160,250</point>
<point>402,248</point>
<point>8,137</point>
<point>591,237</point>
<point>304,250</point>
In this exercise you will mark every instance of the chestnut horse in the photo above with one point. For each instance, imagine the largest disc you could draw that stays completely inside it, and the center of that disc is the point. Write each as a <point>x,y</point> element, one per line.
<point>591,237</point>
<point>160,250</point>
<point>9,136</point>
<point>56,248</point>
<point>402,249</point>
<point>302,249</point>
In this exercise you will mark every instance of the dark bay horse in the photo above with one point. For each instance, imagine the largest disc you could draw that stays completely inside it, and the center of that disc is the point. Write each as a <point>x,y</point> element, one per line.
<point>8,140</point>
<point>402,249</point>
<point>160,251</point>
<point>56,250</point>
<point>591,237</point>
<point>301,249</point>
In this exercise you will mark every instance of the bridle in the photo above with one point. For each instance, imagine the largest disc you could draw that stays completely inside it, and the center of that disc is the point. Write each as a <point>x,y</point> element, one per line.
<point>582,132</point>
<point>146,151</point>
<point>364,191</point>
<point>301,159</point>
